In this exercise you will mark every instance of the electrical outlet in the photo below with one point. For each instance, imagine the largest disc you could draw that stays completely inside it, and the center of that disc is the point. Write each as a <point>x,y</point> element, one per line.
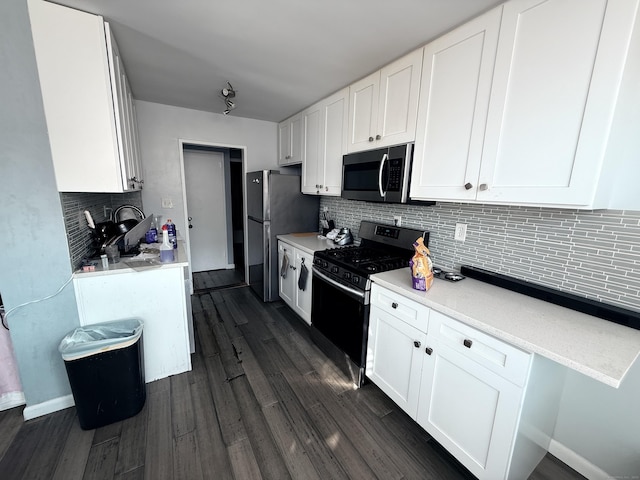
<point>167,203</point>
<point>461,232</point>
<point>397,220</point>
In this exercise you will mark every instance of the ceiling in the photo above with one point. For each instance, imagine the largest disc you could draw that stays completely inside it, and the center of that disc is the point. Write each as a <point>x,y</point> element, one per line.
<point>279,55</point>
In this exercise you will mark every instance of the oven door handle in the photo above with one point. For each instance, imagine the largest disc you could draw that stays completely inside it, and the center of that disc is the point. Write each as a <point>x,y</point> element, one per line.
<point>352,291</point>
<point>384,160</point>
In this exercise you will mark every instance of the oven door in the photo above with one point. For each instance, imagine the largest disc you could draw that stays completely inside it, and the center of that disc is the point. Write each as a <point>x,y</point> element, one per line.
<point>341,315</point>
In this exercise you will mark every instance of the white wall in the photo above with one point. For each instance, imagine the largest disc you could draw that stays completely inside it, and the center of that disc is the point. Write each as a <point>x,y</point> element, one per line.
<point>160,129</point>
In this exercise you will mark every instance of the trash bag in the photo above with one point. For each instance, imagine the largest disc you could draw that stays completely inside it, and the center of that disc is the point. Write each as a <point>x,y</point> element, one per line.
<point>100,337</point>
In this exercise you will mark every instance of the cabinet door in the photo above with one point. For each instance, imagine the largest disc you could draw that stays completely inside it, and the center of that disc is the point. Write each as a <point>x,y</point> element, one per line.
<point>556,81</point>
<point>394,358</point>
<point>312,149</point>
<point>336,118</point>
<point>72,59</point>
<point>471,411</point>
<point>286,289</point>
<point>303,297</point>
<point>284,142</point>
<point>454,98</point>
<point>363,112</point>
<point>398,100</point>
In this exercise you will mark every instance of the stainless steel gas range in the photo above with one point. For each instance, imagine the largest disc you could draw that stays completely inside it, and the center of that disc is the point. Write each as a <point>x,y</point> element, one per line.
<point>342,287</point>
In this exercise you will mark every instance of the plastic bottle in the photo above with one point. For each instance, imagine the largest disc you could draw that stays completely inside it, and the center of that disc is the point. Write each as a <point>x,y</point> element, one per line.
<point>152,235</point>
<point>166,249</point>
<point>171,227</point>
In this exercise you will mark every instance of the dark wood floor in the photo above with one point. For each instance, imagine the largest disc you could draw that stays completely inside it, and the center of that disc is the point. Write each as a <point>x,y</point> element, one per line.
<point>204,282</point>
<point>261,402</point>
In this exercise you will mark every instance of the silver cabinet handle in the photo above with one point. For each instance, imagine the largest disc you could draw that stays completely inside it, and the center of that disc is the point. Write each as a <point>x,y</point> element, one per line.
<point>416,344</point>
<point>467,343</point>
<point>483,187</point>
<point>378,137</point>
<point>371,139</point>
<point>428,350</point>
<point>468,186</point>
<point>394,305</point>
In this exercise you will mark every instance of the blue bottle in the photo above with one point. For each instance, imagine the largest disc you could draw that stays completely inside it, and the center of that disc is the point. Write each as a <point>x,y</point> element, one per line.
<point>171,230</point>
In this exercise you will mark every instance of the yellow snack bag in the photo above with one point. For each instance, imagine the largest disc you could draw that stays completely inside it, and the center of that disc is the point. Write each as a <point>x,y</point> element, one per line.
<point>421,266</point>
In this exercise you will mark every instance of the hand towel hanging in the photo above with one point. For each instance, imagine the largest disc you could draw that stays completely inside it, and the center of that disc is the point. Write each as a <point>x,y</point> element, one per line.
<point>302,279</point>
<point>285,265</point>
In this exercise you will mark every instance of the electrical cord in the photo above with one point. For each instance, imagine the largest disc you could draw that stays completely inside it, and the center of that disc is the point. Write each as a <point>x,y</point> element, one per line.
<point>6,314</point>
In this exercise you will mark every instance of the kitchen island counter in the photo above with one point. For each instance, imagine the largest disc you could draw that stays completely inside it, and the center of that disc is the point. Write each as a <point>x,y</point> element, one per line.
<point>598,348</point>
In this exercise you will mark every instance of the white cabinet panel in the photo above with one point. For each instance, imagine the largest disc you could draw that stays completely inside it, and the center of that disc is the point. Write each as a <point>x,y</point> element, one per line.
<point>290,292</point>
<point>290,140</point>
<point>454,98</point>
<point>324,142</point>
<point>87,101</point>
<point>383,106</point>
<point>285,271</point>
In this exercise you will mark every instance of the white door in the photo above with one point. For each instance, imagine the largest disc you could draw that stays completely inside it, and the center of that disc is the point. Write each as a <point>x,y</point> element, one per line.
<point>206,207</point>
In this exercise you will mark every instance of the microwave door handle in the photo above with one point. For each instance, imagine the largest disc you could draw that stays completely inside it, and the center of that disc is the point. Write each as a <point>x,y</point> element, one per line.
<point>384,160</point>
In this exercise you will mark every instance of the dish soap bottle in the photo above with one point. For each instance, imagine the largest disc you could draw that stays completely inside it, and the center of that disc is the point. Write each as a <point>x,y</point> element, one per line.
<point>166,249</point>
<point>171,227</point>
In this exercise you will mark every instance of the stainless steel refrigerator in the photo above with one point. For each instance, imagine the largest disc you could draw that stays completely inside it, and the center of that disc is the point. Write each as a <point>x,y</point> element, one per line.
<point>275,206</point>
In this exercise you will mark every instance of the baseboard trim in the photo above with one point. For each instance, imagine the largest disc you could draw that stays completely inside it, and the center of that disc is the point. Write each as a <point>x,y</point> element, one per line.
<point>50,406</point>
<point>11,399</point>
<point>577,462</point>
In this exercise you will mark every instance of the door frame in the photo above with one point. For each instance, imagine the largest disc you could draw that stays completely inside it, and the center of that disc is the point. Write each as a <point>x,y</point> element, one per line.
<point>181,145</point>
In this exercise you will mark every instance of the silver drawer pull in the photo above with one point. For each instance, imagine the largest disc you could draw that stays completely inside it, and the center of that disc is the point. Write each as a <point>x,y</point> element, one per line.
<point>416,344</point>
<point>428,350</point>
<point>467,343</point>
<point>394,305</point>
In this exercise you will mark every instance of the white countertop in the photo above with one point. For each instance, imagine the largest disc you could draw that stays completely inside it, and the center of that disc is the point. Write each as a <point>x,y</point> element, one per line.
<point>122,267</point>
<point>595,347</point>
<point>307,242</point>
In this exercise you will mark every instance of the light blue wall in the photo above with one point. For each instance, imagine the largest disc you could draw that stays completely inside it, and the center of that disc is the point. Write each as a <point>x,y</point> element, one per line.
<point>34,256</point>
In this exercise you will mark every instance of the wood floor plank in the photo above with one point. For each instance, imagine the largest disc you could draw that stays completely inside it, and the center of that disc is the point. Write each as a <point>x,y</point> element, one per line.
<point>264,448</point>
<point>158,461</point>
<point>49,449</point>
<point>198,371</point>
<point>374,399</point>
<point>374,454</point>
<point>182,415</point>
<point>214,458</point>
<point>228,351</point>
<point>102,460</point>
<point>291,449</point>
<point>255,375</point>
<point>243,461</point>
<point>10,423</point>
<point>333,436</point>
<point>107,432</point>
<point>157,386</point>
<point>24,446</point>
<point>318,452</point>
<point>285,339</point>
<point>385,440</point>
<point>133,442</point>
<point>74,456</point>
<point>187,458</point>
<point>137,474</point>
<point>224,402</point>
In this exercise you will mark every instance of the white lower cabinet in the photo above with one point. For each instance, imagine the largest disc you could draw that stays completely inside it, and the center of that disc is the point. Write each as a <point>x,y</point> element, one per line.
<point>156,296</point>
<point>294,291</point>
<point>491,405</point>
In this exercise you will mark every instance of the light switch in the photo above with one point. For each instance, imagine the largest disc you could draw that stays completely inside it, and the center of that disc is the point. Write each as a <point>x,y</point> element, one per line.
<point>461,232</point>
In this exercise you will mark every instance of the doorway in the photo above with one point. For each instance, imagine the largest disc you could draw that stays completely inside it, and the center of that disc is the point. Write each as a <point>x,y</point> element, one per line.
<point>214,195</point>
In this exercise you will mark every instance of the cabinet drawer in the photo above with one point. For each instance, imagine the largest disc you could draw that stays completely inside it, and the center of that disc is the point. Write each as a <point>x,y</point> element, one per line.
<point>504,359</point>
<point>400,307</point>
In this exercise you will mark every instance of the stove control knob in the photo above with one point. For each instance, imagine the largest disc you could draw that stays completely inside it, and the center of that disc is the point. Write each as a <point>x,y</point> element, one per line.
<point>334,269</point>
<point>346,275</point>
<point>355,279</point>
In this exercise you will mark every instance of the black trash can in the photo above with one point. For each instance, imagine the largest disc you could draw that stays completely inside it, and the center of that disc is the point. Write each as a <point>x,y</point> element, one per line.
<point>105,366</point>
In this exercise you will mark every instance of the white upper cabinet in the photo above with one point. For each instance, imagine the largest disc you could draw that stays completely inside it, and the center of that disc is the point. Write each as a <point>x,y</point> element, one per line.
<point>290,140</point>
<point>87,101</point>
<point>540,135</point>
<point>454,98</point>
<point>324,128</point>
<point>383,106</point>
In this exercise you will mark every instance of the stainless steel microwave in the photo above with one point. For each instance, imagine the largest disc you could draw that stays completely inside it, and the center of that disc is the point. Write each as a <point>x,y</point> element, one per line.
<point>378,175</point>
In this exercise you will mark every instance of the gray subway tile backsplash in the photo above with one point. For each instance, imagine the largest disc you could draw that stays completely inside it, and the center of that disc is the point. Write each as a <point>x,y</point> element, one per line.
<point>594,254</point>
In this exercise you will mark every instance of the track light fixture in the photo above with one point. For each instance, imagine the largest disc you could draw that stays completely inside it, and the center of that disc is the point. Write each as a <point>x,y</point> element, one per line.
<point>227,94</point>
